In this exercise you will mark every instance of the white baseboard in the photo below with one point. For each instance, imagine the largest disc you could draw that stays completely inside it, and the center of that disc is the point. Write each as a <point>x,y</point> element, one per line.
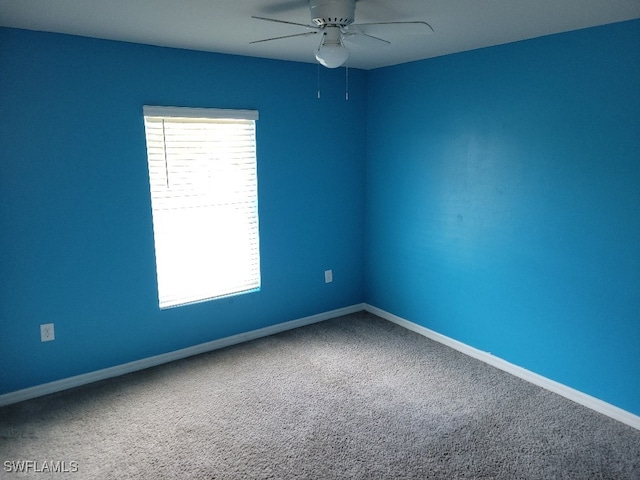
<point>574,395</point>
<point>551,385</point>
<point>76,381</point>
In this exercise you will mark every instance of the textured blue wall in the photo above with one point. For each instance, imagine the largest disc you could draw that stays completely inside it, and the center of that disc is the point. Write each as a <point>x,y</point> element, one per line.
<point>76,240</point>
<point>503,203</point>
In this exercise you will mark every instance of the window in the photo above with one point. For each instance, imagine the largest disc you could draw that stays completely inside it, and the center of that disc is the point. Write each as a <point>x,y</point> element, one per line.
<point>204,198</point>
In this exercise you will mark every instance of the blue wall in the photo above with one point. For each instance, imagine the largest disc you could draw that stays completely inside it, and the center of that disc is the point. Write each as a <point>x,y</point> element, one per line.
<point>491,196</point>
<point>503,203</point>
<point>76,240</point>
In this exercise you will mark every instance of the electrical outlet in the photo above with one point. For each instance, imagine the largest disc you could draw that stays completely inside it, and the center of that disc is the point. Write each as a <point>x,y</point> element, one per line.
<point>328,276</point>
<point>46,332</point>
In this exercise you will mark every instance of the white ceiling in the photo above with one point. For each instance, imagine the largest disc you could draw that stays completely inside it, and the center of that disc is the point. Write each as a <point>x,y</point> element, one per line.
<point>226,26</point>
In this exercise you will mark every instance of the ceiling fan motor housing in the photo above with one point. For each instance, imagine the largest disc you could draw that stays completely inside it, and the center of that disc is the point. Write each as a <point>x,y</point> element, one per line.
<point>332,12</point>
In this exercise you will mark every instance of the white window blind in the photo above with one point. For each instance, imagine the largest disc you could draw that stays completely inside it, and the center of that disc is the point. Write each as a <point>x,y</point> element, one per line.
<point>204,197</point>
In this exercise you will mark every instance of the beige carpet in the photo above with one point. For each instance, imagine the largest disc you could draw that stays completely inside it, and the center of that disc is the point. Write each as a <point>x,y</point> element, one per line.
<point>353,397</point>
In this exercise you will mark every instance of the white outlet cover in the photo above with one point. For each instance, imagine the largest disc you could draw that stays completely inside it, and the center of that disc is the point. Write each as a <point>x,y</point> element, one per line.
<point>328,276</point>
<point>46,332</point>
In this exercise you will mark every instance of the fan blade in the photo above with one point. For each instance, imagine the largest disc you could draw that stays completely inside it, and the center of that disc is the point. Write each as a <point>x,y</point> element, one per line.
<point>308,27</point>
<point>305,34</point>
<point>355,36</point>
<point>408,28</point>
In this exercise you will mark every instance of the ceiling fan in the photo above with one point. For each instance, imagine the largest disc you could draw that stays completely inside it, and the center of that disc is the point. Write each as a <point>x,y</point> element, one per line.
<point>334,20</point>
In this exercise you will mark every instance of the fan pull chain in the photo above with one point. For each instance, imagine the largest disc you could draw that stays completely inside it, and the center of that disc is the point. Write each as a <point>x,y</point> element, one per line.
<point>318,80</point>
<point>346,95</point>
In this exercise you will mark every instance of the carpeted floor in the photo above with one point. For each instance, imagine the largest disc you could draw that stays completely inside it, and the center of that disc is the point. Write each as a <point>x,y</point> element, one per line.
<point>353,397</point>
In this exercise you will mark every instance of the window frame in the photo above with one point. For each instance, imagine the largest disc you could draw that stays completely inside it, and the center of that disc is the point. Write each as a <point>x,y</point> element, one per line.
<point>240,166</point>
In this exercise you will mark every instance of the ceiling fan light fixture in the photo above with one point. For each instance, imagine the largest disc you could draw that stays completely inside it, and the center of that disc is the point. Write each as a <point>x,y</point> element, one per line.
<point>332,56</point>
<point>334,20</point>
<point>332,53</point>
